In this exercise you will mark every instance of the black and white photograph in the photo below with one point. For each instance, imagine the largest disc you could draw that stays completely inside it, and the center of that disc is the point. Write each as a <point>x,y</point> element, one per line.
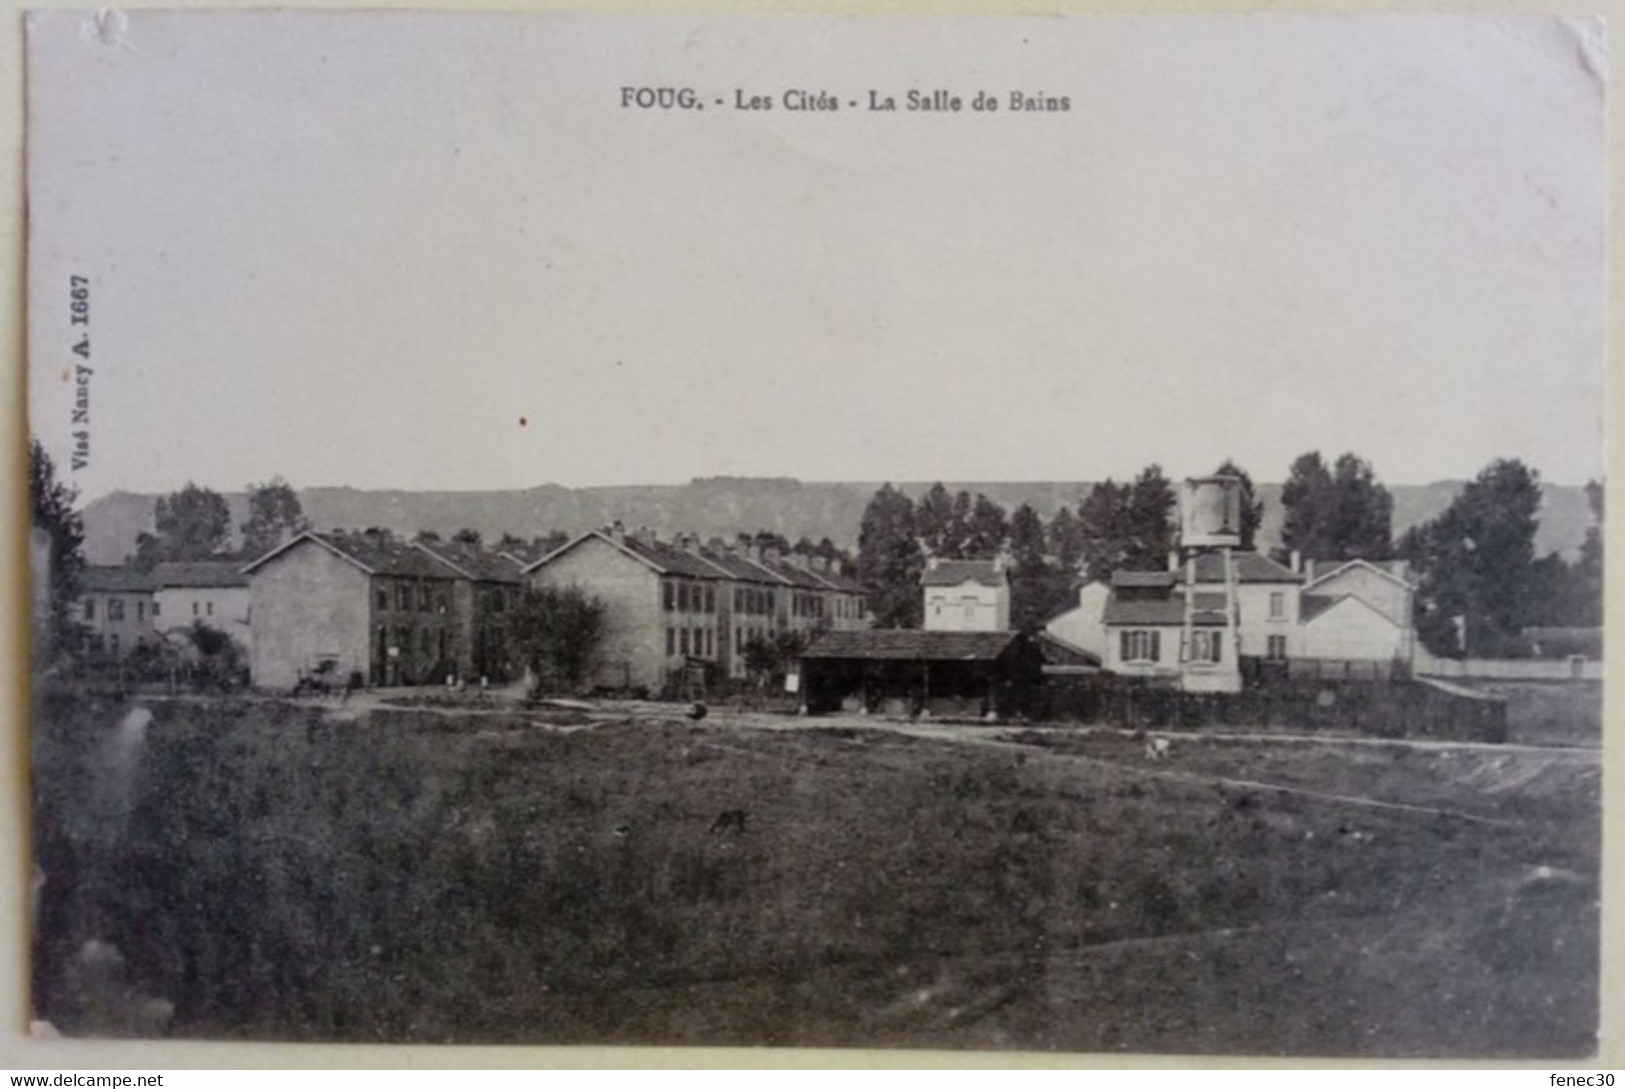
<point>1021,534</point>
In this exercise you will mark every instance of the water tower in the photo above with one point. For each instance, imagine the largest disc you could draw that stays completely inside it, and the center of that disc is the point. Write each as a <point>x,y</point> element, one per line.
<point>1210,513</point>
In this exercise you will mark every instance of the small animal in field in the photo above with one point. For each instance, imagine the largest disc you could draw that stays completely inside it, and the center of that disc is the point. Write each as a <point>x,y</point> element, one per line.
<point>696,712</point>
<point>1158,748</point>
<point>729,820</point>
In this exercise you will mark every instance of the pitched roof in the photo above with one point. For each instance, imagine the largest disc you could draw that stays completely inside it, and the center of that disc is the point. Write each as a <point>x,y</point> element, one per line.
<point>1141,580</point>
<point>199,574</point>
<point>1315,606</point>
<point>114,580</point>
<point>796,576</point>
<point>1058,651</point>
<point>742,567</point>
<point>1250,567</point>
<point>1397,571</point>
<point>473,561</point>
<point>913,645</point>
<point>670,560</point>
<point>956,572</point>
<point>372,553</point>
<point>1169,613</point>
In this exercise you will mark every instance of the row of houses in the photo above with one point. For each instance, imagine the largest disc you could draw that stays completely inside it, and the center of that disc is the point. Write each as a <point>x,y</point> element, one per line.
<point>395,612</point>
<point>124,609</point>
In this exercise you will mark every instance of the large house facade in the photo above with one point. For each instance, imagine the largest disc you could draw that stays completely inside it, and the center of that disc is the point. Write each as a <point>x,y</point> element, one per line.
<point>118,608</point>
<point>211,592</point>
<point>361,605</point>
<point>680,606</point>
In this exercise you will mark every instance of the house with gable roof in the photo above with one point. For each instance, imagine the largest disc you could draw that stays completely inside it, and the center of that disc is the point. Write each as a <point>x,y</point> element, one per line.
<point>1358,610</point>
<point>966,595</point>
<point>367,604</point>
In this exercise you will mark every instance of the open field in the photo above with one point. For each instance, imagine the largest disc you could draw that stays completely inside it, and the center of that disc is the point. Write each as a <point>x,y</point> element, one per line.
<point>558,876</point>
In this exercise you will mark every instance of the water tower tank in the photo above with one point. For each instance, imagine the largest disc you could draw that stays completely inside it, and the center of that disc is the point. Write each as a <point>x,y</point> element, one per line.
<point>1210,512</point>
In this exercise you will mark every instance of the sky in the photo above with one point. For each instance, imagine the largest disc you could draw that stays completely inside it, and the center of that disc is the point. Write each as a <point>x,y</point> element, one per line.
<point>437,252</point>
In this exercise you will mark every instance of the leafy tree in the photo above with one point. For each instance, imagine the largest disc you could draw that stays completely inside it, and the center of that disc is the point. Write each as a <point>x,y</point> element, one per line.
<point>466,536</point>
<point>1588,570</point>
<point>890,560</point>
<point>767,658</point>
<point>193,524</point>
<point>219,657</point>
<point>1252,507</point>
<point>986,530</point>
<point>1066,540</point>
<point>1038,589</point>
<point>1475,564</point>
<point>1152,532</point>
<point>275,517</point>
<point>1304,500</point>
<point>1103,524</point>
<point>1339,514</point>
<point>429,536</point>
<point>52,505</point>
<point>946,523</point>
<point>1362,512</point>
<point>558,633</point>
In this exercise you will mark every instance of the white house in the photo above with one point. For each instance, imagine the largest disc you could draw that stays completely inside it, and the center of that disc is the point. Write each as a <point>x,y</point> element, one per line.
<point>211,591</point>
<point>966,595</point>
<point>1358,611</point>
<point>1080,626</point>
<point>1184,624</point>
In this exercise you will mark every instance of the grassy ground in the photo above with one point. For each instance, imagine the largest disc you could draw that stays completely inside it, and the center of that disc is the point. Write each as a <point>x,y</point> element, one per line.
<point>555,877</point>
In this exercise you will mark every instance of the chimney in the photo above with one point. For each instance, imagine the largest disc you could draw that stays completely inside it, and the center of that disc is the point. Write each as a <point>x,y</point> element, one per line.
<point>617,532</point>
<point>770,554</point>
<point>1173,560</point>
<point>820,564</point>
<point>1297,562</point>
<point>688,542</point>
<point>930,563</point>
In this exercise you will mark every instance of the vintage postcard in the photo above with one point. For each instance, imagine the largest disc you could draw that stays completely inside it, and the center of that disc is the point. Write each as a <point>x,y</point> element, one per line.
<point>1066,534</point>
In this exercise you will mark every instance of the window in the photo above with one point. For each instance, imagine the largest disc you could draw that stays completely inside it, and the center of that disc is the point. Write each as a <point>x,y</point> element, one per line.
<point>682,597</point>
<point>1277,648</point>
<point>682,641</point>
<point>1206,646</point>
<point>383,598</point>
<point>1140,646</point>
<point>671,642</point>
<point>669,590</point>
<point>424,642</point>
<point>970,609</point>
<point>442,600</point>
<point>403,597</point>
<point>710,599</point>
<point>115,610</point>
<point>112,640</point>
<point>141,610</point>
<point>423,600</point>
<point>90,608</point>
<point>194,608</point>
<point>1277,605</point>
<point>155,610</point>
<point>208,607</point>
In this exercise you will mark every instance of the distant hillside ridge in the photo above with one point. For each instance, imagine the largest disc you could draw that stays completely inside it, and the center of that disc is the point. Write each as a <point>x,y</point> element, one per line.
<point>723,506</point>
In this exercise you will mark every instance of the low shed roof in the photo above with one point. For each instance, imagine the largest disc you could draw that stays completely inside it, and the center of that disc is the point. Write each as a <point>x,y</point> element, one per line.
<point>913,645</point>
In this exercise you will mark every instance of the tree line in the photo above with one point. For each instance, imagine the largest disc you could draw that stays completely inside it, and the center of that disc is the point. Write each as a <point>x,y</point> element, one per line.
<point>1479,582</point>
